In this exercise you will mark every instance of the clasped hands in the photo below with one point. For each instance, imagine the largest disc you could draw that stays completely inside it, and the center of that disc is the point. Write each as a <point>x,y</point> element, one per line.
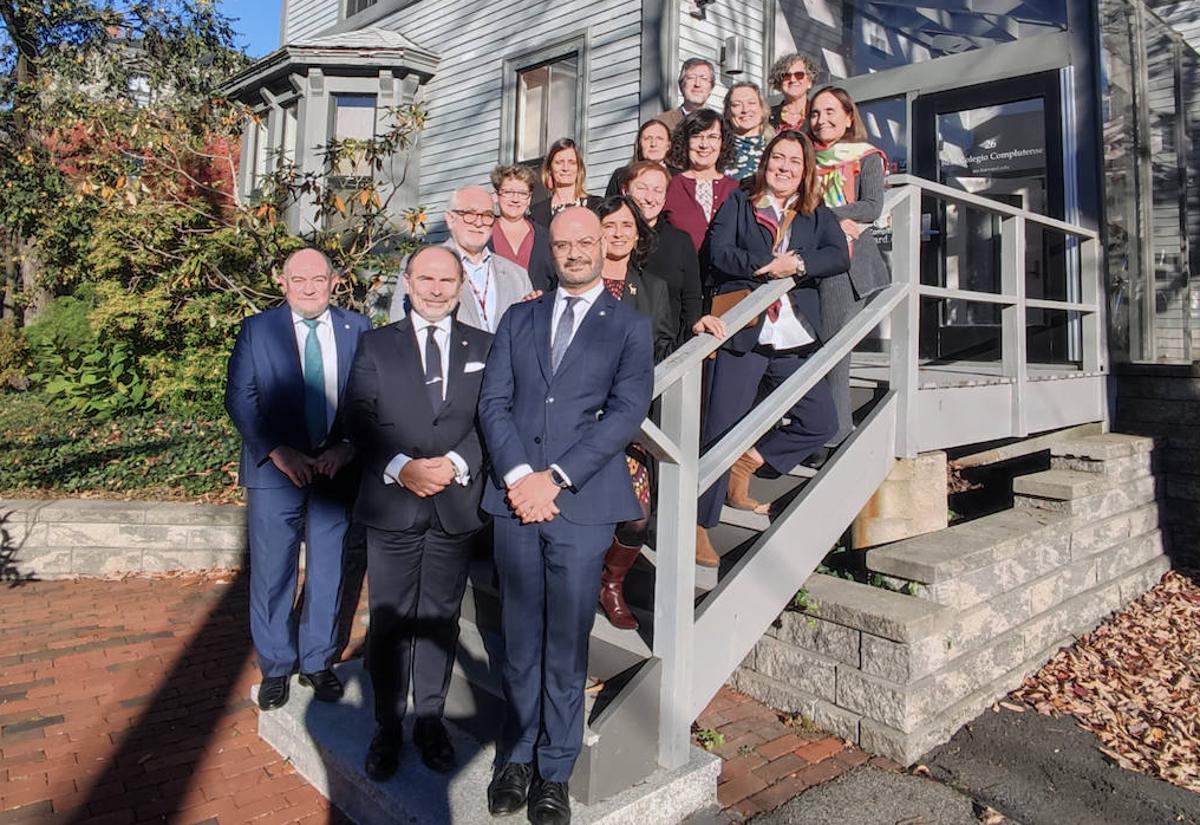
<point>301,469</point>
<point>532,496</point>
<point>425,477</point>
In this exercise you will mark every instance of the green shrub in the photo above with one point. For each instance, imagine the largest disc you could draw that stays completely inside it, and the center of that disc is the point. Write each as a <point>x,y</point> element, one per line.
<point>82,371</point>
<point>14,357</point>
<point>142,456</point>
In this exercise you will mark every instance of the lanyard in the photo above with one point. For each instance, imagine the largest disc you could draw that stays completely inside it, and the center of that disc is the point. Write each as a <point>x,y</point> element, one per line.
<point>482,299</point>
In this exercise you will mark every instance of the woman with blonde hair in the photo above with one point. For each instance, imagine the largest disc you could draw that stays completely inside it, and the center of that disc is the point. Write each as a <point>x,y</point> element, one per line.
<point>516,237</point>
<point>747,116</point>
<point>564,174</point>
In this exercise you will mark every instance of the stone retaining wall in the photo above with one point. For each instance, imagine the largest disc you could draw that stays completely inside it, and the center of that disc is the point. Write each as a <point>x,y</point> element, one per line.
<point>82,537</point>
<point>1163,401</point>
<point>983,605</point>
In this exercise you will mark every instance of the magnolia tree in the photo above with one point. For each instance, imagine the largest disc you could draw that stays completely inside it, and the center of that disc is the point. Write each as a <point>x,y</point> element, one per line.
<point>129,256</point>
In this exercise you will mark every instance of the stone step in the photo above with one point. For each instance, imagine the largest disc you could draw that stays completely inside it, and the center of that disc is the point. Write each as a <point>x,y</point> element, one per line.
<point>1118,498</point>
<point>1060,485</point>
<point>327,744</point>
<point>1117,470</point>
<point>1103,447</point>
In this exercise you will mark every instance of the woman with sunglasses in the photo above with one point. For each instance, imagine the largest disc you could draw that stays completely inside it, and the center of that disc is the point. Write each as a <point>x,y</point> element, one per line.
<point>792,76</point>
<point>775,227</point>
<point>653,143</point>
<point>564,174</point>
<point>515,236</point>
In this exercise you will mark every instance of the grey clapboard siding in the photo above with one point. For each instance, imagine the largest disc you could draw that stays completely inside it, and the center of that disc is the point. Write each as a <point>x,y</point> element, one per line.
<point>703,38</point>
<point>461,141</point>
<point>304,18</point>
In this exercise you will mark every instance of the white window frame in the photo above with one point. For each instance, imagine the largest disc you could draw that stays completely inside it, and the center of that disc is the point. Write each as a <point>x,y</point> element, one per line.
<point>512,67</point>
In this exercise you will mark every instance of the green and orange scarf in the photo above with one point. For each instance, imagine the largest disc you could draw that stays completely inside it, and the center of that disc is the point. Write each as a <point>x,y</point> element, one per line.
<point>838,168</point>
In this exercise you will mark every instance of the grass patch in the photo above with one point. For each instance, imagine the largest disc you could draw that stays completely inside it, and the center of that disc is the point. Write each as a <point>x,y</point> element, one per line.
<point>45,452</point>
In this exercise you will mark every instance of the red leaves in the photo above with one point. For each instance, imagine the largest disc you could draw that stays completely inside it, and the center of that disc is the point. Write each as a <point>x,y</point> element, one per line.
<point>1132,682</point>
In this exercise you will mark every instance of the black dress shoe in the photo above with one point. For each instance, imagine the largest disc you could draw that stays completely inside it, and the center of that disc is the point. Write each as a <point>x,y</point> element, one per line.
<point>273,692</point>
<point>430,737</point>
<point>549,803</point>
<point>383,755</point>
<point>509,788</point>
<point>324,683</point>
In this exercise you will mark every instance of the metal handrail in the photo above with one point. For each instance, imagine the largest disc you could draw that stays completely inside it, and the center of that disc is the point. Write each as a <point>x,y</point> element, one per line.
<point>685,469</point>
<point>949,193</point>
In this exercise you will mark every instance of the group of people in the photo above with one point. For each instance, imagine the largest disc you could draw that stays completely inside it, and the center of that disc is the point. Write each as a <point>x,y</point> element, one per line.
<point>507,393</point>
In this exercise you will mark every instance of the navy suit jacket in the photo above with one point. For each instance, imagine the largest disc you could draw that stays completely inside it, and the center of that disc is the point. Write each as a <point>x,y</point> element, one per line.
<point>388,412</point>
<point>580,417</point>
<point>264,392</point>
<point>738,245</point>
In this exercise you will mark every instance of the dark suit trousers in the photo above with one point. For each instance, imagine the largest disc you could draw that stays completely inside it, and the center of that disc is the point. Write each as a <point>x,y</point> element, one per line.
<point>812,421</point>
<point>549,584</point>
<point>415,579</point>
<point>278,518</point>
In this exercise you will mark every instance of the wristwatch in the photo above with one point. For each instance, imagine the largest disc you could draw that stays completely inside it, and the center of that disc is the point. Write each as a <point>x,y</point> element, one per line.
<point>559,481</point>
<point>799,265</point>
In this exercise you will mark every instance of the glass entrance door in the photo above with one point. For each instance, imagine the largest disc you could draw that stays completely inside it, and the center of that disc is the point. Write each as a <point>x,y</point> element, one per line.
<point>1002,141</point>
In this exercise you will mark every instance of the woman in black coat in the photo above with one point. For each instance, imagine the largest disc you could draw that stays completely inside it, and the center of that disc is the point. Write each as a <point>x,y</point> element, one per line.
<point>626,242</point>
<point>775,228</point>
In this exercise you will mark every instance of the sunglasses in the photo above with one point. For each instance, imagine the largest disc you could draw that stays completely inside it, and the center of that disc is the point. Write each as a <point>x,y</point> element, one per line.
<point>793,75</point>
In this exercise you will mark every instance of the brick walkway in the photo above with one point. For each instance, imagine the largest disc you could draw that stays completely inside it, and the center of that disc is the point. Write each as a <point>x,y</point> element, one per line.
<point>127,701</point>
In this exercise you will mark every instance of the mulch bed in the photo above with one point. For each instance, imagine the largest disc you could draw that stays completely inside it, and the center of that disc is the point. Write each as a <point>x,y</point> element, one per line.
<point>1135,683</point>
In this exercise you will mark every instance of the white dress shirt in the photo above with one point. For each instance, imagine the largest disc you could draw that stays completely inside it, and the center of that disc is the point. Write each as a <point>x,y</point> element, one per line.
<point>325,337</point>
<point>481,283</point>
<point>582,306</point>
<point>786,331</point>
<point>462,474</point>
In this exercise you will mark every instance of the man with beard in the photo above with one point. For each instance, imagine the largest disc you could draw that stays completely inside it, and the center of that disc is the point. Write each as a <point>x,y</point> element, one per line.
<point>492,283</point>
<point>567,385</point>
<point>411,406</point>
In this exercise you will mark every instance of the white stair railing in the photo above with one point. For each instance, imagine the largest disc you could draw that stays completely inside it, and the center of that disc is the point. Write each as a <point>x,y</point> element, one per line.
<point>692,665</point>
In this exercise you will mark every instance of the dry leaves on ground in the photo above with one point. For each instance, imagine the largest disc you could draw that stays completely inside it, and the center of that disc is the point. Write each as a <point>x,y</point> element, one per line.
<point>1134,682</point>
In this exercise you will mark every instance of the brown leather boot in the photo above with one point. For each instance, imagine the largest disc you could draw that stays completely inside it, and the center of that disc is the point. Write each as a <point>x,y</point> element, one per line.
<point>617,562</point>
<point>706,555</point>
<point>738,494</point>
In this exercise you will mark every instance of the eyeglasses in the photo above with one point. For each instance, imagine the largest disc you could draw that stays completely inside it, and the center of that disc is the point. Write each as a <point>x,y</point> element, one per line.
<point>583,245</point>
<point>711,140</point>
<point>793,75</point>
<point>702,77</point>
<point>519,194</point>
<point>474,218</point>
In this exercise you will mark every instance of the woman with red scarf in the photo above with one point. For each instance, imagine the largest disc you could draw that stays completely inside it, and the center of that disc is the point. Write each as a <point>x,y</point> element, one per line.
<point>850,175</point>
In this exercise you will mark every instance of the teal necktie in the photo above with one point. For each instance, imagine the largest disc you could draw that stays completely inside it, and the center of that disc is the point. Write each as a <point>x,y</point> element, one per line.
<point>314,385</point>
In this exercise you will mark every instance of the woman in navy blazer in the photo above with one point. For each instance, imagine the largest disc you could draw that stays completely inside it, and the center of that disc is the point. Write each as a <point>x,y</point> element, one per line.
<point>774,228</point>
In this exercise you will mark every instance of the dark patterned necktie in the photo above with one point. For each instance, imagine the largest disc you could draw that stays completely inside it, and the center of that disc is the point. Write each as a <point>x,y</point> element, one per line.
<point>433,369</point>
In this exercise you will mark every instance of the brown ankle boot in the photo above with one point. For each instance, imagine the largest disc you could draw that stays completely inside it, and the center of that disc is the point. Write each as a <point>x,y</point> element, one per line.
<point>738,494</point>
<point>617,562</point>
<point>706,556</point>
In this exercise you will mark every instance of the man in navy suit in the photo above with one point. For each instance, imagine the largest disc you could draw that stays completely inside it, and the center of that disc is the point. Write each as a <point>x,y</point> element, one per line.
<point>411,403</point>
<point>287,374</point>
<point>567,385</point>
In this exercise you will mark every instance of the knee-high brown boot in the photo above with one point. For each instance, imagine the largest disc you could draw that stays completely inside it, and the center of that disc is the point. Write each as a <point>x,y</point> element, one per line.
<point>617,562</point>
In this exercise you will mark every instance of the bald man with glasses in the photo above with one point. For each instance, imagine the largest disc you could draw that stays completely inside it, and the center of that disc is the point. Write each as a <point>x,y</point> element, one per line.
<point>492,283</point>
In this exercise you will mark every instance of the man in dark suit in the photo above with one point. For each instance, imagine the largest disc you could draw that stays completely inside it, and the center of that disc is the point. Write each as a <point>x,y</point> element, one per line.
<point>287,375</point>
<point>411,403</point>
<point>567,385</point>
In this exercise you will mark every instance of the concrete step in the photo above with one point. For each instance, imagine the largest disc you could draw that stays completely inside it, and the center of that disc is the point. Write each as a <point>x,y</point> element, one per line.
<point>1060,485</point>
<point>327,743</point>
<point>1103,447</point>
